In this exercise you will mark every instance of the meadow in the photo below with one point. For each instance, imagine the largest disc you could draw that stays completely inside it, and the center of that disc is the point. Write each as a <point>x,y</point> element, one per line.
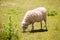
<point>13,11</point>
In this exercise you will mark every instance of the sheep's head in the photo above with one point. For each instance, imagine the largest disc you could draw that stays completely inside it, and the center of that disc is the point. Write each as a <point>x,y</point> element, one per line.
<point>24,26</point>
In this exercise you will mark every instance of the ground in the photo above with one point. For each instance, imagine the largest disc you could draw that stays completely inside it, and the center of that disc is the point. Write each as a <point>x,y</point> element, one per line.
<point>17,9</point>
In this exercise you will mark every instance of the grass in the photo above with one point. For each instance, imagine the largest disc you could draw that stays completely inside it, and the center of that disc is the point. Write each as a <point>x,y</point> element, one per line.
<point>17,12</point>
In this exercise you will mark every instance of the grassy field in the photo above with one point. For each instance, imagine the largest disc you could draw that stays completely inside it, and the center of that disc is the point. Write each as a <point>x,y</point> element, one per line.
<point>13,11</point>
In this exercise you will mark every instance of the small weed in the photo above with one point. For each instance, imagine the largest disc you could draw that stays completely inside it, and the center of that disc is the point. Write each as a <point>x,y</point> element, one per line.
<point>52,13</point>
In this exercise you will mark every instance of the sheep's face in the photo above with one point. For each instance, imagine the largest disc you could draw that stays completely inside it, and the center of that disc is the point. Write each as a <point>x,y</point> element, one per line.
<point>24,27</point>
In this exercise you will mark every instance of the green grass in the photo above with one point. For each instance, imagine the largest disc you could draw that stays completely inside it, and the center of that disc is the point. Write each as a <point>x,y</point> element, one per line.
<point>17,13</point>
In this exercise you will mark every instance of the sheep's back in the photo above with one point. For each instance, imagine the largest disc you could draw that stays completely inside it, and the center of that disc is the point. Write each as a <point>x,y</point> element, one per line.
<point>41,9</point>
<point>34,16</point>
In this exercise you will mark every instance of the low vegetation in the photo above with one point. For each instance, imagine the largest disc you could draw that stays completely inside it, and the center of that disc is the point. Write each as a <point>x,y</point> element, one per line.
<point>11,17</point>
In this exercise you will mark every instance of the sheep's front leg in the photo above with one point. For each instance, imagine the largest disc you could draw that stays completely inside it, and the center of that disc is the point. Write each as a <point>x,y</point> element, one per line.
<point>32,27</point>
<point>41,24</point>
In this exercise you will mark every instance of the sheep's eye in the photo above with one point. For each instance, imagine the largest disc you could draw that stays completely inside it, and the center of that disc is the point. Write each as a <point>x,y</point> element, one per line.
<point>25,27</point>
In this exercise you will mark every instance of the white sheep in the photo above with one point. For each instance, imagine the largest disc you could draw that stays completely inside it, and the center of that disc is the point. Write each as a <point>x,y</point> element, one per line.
<point>32,16</point>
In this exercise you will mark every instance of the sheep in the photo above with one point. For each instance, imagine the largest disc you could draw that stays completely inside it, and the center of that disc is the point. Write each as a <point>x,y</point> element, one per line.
<point>32,16</point>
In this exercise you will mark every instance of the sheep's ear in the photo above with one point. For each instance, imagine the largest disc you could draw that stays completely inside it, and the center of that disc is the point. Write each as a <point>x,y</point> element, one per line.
<point>23,22</point>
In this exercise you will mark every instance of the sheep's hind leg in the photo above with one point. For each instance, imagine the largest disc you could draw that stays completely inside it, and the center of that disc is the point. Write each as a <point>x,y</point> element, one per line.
<point>45,23</point>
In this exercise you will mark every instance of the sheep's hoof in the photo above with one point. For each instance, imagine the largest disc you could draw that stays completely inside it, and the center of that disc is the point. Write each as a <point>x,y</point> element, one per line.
<point>32,30</point>
<point>46,29</point>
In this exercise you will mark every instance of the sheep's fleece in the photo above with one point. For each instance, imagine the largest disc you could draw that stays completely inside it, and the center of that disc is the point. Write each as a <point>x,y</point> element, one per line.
<point>35,15</point>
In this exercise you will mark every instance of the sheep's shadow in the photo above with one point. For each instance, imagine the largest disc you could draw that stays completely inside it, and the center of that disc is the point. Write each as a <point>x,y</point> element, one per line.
<point>34,31</point>
<point>39,30</point>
